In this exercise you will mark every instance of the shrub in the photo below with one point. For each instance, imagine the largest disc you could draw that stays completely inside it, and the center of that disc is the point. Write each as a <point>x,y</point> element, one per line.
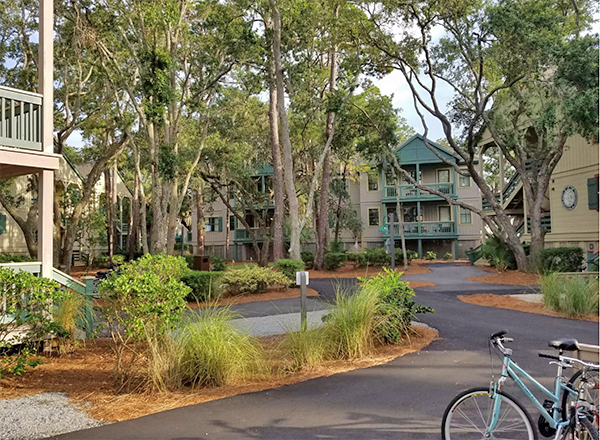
<point>69,311</point>
<point>104,260</point>
<point>396,307</point>
<point>498,254</point>
<point>336,247</point>
<point>430,255</point>
<point>309,259</point>
<point>359,259</point>
<point>144,301</point>
<point>290,267</point>
<point>251,279</point>
<point>575,296</point>
<point>212,352</point>
<point>561,259</point>
<point>334,260</point>
<point>189,261</point>
<point>447,256</point>
<point>205,286</point>
<point>218,264</point>
<point>28,302</point>
<point>410,255</point>
<point>377,257</point>
<point>8,258</point>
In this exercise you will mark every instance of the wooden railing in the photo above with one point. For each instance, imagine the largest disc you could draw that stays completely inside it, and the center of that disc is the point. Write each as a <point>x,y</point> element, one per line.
<point>412,192</point>
<point>425,229</point>
<point>20,119</point>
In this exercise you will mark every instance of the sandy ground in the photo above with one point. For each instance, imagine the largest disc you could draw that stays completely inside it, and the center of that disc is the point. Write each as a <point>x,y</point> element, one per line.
<point>510,277</point>
<point>512,303</point>
<point>85,376</point>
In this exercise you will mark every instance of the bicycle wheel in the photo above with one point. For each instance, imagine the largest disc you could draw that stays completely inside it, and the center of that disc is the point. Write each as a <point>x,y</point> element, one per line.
<point>470,413</point>
<point>585,431</point>
<point>592,393</point>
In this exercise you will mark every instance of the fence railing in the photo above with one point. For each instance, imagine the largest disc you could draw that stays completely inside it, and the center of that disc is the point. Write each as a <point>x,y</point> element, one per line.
<point>416,229</point>
<point>20,119</point>
<point>412,192</point>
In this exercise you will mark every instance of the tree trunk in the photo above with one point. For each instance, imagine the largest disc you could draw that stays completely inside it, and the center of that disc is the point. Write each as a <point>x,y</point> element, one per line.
<point>133,239</point>
<point>143,221</point>
<point>200,215</point>
<point>288,175</point>
<point>278,184</point>
<point>110,213</point>
<point>400,216</point>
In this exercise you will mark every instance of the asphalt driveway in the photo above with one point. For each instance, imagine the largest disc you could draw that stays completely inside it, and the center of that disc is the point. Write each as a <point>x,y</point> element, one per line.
<point>403,399</point>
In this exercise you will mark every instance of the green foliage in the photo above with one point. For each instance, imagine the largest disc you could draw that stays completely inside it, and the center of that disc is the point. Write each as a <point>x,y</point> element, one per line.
<point>218,264</point>
<point>410,255</point>
<point>448,256</point>
<point>189,261</point>
<point>28,302</point>
<point>498,254</point>
<point>308,258</point>
<point>205,286</point>
<point>69,312</point>
<point>210,351</point>
<point>336,247</point>
<point>290,267</point>
<point>430,255</point>
<point>359,259</point>
<point>334,260</point>
<point>574,295</point>
<point>561,259</point>
<point>8,258</point>
<point>377,257</point>
<point>307,348</point>
<point>397,307</point>
<point>251,280</point>
<point>104,260</point>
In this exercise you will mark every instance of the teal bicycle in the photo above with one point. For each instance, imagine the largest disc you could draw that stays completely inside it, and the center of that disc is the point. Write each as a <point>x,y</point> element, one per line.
<point>570,412</point>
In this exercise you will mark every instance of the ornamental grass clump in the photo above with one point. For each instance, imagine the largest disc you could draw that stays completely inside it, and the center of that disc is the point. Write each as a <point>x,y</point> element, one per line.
<point>573,295</point>
<point>306,348</point>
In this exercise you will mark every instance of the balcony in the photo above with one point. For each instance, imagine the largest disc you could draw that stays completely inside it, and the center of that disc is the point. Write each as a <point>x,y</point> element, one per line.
<point>411,192</point>
<point>20,119</point>
<point>243,236</point>
<point>425,230</point>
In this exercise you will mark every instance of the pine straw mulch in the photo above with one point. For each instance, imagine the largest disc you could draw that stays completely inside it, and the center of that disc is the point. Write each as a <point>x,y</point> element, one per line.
<point>85,376</point>
<point>509,277</point>
<point>271,294</point>
<point>512,303</point>
<point>349,271</point>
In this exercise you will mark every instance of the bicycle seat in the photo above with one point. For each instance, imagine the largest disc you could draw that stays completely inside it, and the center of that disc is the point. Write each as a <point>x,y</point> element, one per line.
<point>565,344</point>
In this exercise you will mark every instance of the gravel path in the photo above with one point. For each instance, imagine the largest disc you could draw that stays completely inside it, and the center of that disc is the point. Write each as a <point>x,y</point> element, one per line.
<point>40,416</point>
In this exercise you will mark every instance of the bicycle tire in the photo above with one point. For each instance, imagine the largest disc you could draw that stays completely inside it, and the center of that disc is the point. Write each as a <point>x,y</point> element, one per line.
<point>590,428</point>
<point>571,384</point>
<point>466,398</point>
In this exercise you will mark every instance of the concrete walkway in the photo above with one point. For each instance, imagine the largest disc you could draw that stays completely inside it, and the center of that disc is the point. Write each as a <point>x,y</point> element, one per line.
<point>278,324</point>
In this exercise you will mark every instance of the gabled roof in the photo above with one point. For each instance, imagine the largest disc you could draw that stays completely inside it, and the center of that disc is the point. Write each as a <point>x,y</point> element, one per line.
<point>415,151</point>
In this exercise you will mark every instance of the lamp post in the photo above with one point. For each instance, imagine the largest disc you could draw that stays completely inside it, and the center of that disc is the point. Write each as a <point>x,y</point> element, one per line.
<point>390,245</point>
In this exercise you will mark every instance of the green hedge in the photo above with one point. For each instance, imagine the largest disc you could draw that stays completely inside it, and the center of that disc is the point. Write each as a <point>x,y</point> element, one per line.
<point>561,259</point>
<point>378,257</point>
<point>334,260</point>
<point>309,259</point>
<point>251,279</point>
<point>8,258</point>
<point>290,267</point>
<point>206,286</point>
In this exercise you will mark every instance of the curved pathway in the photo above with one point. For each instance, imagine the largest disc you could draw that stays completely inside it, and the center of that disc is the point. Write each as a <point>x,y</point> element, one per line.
<point>403,399</point>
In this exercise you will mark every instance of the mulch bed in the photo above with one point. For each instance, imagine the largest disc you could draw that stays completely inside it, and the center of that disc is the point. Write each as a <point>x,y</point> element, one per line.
<point>271,294</point>
<point>509,277</point>
<point>85,376</point>
<point>349,271</point>
<point>512,303</point>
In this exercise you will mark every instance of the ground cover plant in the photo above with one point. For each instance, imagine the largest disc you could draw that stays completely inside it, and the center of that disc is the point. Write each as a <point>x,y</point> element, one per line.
<point>498,254</point>
<point>562,259</point>
<point>204,285</point>
<point>290,267</point>
<point>430,255</point>
<point>573,295</point>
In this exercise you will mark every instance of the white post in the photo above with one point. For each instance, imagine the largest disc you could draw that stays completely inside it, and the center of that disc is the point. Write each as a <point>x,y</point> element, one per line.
<point>46,177</point>
<point>302,281</point>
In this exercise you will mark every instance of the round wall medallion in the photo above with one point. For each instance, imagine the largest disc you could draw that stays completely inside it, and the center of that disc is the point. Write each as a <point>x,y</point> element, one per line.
<point>569,197</point>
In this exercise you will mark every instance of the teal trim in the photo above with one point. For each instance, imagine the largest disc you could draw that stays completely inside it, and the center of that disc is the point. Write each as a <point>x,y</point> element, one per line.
<point>2,224</point>
<point>414,151</point>
<point>455,249</point>
<point>420,248</point>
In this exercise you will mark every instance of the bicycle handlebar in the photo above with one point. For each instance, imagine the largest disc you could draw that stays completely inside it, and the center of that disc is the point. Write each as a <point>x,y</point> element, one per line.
<point>549,356</point>
<point>499,334</point>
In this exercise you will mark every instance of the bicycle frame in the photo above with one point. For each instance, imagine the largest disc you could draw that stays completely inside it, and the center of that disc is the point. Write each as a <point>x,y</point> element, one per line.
<point>512,370</point>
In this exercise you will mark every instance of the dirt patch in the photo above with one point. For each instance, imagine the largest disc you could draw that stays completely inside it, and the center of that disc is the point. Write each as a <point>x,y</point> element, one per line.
<point>86,377</point>
<point>416,283</point>
<point>510,277</point>
<point>349,271</point>
<point>512,303</point>
<point>423,261</point>
<point>271,294</point>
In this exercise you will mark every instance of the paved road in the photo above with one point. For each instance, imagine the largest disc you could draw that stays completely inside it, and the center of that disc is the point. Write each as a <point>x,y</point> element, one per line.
<point>403,399</point>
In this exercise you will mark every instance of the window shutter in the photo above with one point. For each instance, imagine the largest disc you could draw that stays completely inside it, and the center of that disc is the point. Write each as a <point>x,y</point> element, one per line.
<point>2,224</point>
<point>593,193</point>
<point>220,224</point>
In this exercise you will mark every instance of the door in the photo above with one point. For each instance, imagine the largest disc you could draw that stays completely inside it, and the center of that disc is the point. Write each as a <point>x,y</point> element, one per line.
<point>444,214</point>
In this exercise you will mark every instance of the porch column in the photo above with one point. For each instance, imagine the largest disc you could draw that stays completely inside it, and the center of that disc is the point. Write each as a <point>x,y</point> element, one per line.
<point>456,249</point>
<point>420,248</point>
<point>46,177</point>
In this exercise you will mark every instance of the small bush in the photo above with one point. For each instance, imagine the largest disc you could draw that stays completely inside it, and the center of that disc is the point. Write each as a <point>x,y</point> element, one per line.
<point>336,247</point>
<point>447,256</point>
<point>69,311</point>
<point>8,258</point>
<point>359,259</point>
<point>104,260</point>
<point>205,286</point>
<point>430,255</point>
<point>290,267</point>
<point>189,261</point>
<point>218,264</point>
<point>377,257</point>
<point>410,255</point>
<point>575,296</point>
<point>561,259</point>
<point>498,254</point>
<point>334,260</point>
<point>251,279</point>
<point>308,258</point>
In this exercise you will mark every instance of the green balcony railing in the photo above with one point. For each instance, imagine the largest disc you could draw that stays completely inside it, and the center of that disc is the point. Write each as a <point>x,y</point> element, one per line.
<point>412,192</point>
<point>425,229</point>
<point>20,119</point>
<point>243,235</point>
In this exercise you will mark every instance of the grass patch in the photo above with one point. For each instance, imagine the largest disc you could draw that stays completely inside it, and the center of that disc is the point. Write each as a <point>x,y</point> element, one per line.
<point>575,296</point>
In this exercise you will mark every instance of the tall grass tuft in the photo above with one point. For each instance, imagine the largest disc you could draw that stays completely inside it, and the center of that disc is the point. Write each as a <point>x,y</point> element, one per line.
<point>212,352</point>
<point>574,296</point>
<point>68,310</point>
<point>306,348</point>
<point>349,328</point>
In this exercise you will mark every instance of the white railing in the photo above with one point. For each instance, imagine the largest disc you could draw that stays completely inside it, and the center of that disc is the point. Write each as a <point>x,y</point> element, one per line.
<point>20,119</point>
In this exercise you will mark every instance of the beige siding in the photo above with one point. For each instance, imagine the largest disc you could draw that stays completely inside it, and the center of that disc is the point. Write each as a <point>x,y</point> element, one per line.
<point>578,154</point>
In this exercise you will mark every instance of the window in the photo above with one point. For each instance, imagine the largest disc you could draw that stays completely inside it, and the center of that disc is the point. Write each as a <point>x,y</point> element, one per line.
<point>373,216</point>
<point>214,224</point>
<point>444,214</point>
<point>465,216</point>
<point>373,181</point>
<point>413,174</point>
<point>390,178</point>
<point>464,181</point>
<point>443,176</point>
<point>232,222</point>
<point>593,193</point>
